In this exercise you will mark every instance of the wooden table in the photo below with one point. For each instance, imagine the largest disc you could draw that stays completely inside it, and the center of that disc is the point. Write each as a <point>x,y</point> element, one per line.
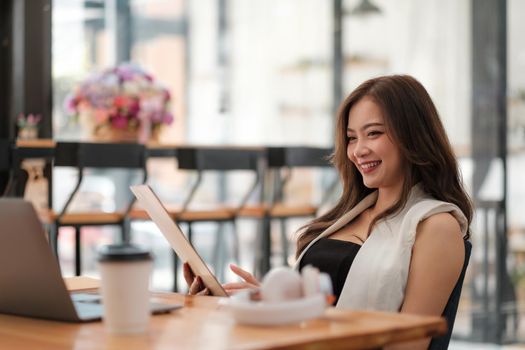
<point>204,324</point>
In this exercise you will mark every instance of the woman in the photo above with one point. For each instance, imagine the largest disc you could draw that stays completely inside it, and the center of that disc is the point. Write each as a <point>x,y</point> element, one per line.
<point>394,241</point>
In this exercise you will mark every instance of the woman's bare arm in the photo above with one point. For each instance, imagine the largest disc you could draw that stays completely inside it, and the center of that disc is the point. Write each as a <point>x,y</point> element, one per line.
<point>437,260</point>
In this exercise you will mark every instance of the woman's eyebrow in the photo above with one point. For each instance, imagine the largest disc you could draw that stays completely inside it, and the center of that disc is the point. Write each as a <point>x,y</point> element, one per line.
<point>366,126</point>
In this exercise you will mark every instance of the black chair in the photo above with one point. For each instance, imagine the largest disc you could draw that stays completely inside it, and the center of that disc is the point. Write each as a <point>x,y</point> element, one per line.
<point>13,178</point>
<point>451,308</point>
<point>5,166</point>
<point>282,163</point>
<point>5,154</point>
<point>95,156</point>
<point>218,160</point>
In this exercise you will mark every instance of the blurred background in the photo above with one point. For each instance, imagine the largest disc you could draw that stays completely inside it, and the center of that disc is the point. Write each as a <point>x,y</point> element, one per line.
<point>272,72</point>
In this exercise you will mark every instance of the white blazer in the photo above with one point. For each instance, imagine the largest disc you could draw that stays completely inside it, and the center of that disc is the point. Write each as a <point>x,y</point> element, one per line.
<point>378,276</point>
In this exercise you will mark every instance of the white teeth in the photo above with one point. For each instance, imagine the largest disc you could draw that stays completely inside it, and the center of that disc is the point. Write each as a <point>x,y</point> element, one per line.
<point>369,165</point>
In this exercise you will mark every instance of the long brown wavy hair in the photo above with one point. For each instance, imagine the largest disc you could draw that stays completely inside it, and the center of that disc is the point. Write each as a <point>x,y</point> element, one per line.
<point>413,123</point>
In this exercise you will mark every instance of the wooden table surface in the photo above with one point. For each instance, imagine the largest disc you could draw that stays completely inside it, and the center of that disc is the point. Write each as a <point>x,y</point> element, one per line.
<point>51,143</point>
<point>204,324</point>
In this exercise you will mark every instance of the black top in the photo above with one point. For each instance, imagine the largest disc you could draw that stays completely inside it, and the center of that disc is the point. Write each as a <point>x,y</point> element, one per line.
<point>334,257</point>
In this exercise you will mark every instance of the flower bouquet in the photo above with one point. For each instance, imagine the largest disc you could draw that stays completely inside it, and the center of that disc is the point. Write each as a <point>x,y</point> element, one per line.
<point>121,103</point>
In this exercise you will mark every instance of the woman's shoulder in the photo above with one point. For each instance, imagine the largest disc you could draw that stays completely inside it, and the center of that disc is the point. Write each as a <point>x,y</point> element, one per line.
<point>444,224</point>
<point>421,207</point>
<point>437,216</point>
<point>440,236</point>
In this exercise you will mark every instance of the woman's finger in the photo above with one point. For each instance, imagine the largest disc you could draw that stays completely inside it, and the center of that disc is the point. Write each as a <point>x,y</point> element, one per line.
<point>188,273</point>
<point>205,291</point>
<point>254,293</point>
<point>238,285</point>
<point>245,275</point>
<point>231,292</point>
<point>196,286</point>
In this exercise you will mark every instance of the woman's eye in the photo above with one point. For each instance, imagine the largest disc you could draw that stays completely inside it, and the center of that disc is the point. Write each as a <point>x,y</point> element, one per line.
<point>374,133</point>
<point>351,138</point>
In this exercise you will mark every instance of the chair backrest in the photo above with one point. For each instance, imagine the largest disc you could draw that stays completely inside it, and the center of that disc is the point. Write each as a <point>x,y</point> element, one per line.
<point>5,155</point>
<point>14,179</point>
<point>100,156</point>
<point>299,157</point>
<point>112,155</point>
<point>288,158</point>
<point>452,305</point>
<point>222,158</point>
<point>219,158</point>
<point>5,166</point>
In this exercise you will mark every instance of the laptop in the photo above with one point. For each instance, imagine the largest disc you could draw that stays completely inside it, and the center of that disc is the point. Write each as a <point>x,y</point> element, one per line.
<point>30,280</point>
<point>178,241</point>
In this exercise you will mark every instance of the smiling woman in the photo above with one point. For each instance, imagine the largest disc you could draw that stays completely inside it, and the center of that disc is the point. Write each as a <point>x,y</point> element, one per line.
<point>403,213</point>
<point>395,239</point>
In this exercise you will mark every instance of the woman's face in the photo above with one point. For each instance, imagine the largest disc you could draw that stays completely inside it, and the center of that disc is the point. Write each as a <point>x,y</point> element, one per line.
<point>370,147</point>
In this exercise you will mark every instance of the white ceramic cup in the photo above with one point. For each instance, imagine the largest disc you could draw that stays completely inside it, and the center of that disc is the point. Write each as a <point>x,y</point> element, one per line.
<point>125,274</point>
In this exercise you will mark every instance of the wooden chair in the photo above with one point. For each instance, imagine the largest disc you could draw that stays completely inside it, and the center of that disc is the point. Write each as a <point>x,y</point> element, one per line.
<point>95,156</point>
<point>282,163</point>
<point>218,160</point>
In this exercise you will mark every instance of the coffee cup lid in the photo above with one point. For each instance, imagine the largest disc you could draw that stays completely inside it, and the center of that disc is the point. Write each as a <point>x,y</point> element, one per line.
<point>122,252</point>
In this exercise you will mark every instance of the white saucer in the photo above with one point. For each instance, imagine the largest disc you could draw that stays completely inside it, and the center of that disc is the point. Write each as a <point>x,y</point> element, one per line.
<point>263,313</point>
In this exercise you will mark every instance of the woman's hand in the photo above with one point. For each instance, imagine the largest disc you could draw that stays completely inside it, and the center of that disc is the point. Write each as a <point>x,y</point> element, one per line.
<point>197,287</point>
<point>195,284</point>
<point>249,282</point>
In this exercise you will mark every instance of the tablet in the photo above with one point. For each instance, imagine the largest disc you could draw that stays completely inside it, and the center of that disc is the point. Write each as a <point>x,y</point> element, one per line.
<point>178,241</point>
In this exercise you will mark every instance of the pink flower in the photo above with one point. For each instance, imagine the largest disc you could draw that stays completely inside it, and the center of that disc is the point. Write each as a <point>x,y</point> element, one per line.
<point>119,122</point>
<point>120,101</point>
<point>134,106</point>
<point>101,116</point>
<point>31,120</point>
<point>70,104</point>
<point>168,118</point>
<point>167,95</point>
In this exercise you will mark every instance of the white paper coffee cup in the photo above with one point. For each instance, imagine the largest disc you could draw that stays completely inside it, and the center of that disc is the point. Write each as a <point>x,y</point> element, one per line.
<point>125,273</point>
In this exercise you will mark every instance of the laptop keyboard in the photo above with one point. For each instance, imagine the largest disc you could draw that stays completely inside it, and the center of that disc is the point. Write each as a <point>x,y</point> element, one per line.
<point>89,306</point>
<point>86,298</point>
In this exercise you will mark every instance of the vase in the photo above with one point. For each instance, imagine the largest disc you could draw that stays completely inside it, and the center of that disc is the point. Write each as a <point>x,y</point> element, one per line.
<point>154,136</point>
<point>28,133</point>
<point>114,135</point>
<point>124,135</point>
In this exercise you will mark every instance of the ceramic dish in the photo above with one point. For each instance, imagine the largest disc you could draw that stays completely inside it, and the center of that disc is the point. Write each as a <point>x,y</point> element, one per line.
<point>264,313</point>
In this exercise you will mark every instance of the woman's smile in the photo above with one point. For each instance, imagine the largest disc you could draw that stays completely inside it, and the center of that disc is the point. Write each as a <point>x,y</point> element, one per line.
<point>368,167</point>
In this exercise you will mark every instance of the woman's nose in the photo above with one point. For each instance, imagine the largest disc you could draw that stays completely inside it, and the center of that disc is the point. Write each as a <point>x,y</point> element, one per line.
<point>361,149</point>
